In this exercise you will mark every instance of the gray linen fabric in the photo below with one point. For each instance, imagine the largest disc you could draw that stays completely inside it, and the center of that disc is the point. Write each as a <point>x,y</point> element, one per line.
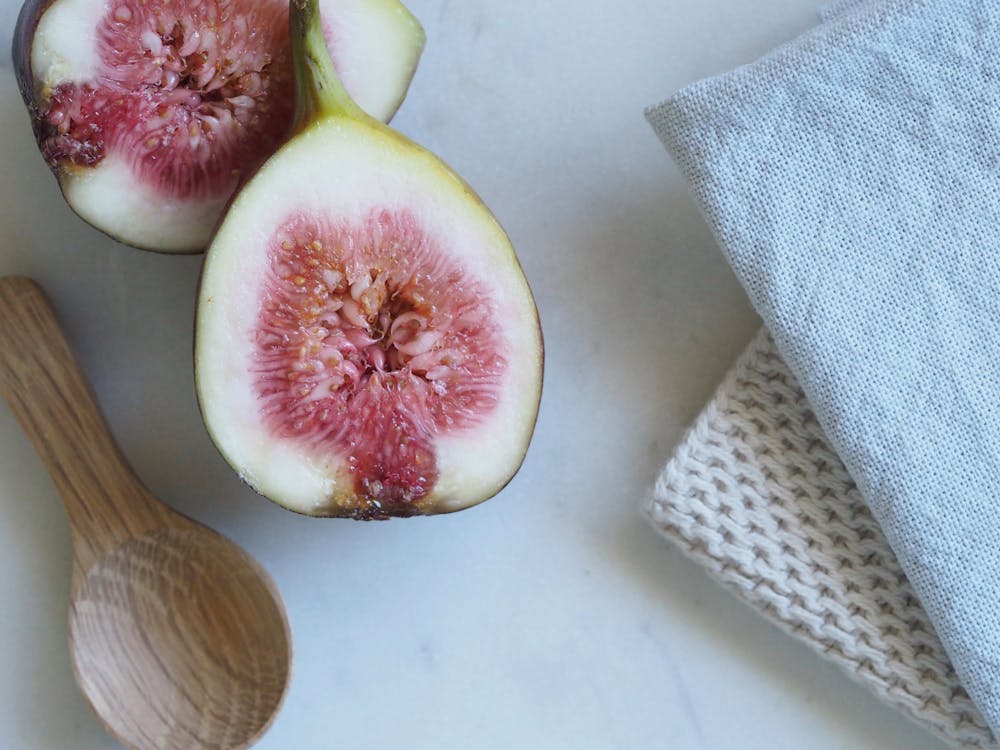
<point>852,179</point>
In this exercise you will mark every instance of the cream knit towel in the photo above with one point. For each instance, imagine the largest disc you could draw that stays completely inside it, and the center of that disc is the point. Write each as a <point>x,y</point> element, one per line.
<point>756,495</point>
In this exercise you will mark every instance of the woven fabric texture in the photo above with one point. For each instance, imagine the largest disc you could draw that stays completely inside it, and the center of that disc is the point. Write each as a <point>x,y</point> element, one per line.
<point>852,180</point>
<point>756,495</point>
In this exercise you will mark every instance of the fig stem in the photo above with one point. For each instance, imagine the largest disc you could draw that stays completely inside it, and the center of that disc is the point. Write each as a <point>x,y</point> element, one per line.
<point>319,92</point>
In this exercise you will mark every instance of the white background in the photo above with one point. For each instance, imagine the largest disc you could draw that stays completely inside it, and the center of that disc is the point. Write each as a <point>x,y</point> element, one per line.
<point>549,617</point>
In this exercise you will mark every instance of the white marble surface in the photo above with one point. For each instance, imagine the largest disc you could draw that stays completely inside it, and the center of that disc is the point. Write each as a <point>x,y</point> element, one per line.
<point>549,617</point>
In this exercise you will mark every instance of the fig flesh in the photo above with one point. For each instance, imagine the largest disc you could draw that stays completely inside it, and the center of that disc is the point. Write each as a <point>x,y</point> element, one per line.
<point>366,343</point>
<point>152,112</point>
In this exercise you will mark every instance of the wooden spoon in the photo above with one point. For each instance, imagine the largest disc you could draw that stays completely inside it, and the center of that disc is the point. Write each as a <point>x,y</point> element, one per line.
<point>178,637</point>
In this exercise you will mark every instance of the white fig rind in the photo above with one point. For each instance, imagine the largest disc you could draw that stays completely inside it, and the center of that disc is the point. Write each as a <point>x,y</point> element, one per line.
<point>345,168</point>
<point>376,43</point>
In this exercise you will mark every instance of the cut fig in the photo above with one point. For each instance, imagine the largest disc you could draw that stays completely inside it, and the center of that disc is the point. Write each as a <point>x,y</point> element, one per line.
<point>366,345</point>
<point>152,112</point>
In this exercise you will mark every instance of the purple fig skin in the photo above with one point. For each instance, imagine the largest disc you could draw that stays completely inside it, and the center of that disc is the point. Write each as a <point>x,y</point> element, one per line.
<point>24,36</point>
<point>35,101</point>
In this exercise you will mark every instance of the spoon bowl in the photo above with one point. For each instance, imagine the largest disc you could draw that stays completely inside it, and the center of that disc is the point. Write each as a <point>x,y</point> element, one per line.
<point>178,638</point>
<point>179,642</point>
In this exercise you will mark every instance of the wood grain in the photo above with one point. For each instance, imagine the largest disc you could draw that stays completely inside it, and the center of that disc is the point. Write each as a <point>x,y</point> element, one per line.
<point>179,639</point>
<point>47,393</point>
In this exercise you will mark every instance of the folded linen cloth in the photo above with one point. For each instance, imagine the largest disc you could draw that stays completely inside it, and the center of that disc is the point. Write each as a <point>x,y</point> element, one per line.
<point>852,179</point>
<point>756,494</point>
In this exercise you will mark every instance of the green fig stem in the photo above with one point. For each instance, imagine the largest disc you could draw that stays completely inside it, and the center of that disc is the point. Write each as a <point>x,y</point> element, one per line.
<point>319,92</point>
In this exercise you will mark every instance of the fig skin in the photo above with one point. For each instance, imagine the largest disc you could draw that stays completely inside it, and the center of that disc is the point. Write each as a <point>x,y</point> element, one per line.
<point>23,38</point>
<point>387,513</point>
<point>322,106</point>
<point>24,33</point>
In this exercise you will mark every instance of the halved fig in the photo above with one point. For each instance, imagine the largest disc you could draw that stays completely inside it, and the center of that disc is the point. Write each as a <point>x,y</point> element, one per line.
<point>366,344</point>
<point>151,112</point>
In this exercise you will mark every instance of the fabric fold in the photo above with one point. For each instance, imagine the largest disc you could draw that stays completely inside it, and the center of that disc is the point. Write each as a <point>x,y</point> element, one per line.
<point>755,494</point>
<point>852,179</point>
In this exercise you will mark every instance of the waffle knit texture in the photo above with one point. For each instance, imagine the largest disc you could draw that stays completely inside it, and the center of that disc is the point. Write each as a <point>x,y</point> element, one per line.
<point>756,495</point>
<point>852,180</point>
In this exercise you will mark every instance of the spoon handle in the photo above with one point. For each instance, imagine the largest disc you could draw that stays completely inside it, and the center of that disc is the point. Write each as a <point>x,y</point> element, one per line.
<point>47,392</point>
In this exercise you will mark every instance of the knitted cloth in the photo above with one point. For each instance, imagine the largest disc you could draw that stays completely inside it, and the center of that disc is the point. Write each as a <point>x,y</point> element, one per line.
<point>756,495</point>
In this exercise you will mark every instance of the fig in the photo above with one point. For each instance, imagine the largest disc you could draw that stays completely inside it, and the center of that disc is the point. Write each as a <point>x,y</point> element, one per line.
<point>366,342</point>
<point>152,112</point>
